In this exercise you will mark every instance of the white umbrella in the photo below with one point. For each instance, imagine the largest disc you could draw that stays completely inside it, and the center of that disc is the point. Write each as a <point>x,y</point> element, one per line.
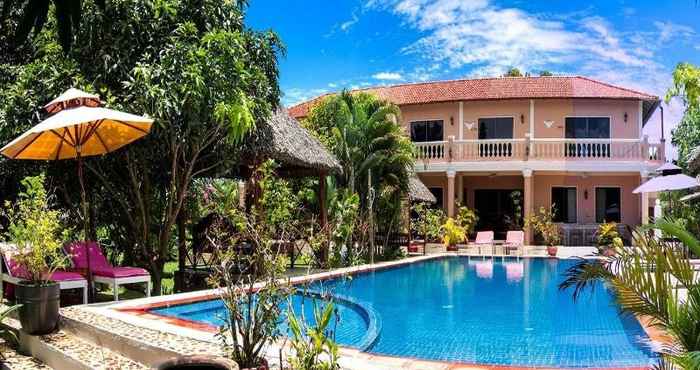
<point>667,183</point>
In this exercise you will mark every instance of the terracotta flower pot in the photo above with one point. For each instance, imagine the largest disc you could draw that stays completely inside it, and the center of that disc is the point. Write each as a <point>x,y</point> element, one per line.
<point>552,250</point>
<point>609,252</point>
<point>452,248</point>
<point>263,366</point>
<point>202,362</point>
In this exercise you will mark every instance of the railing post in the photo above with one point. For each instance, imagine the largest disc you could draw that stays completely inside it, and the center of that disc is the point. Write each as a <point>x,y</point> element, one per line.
<point>527,149</point>
<point>644,147</point>
<point>450,147</point>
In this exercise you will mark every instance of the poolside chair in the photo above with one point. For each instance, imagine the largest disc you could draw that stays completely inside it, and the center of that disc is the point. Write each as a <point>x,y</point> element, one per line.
<point>514,240</point>
<point>13,272</point>
<point>484,238</point>
<point>102,271</point>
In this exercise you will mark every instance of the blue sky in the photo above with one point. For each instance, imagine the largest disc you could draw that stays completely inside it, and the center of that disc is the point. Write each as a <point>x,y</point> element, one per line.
<point>351,43</point>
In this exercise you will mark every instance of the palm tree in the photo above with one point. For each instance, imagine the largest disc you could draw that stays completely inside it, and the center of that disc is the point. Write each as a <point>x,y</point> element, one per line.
<point>364,133</point>
<point>646,281</point>
<point>370,144</point>
<point>36,12</point>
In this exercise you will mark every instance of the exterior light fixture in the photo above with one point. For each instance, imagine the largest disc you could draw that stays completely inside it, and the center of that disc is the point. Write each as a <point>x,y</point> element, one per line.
<point>522,118</point>
<point>585,194</point>
<point>625,116</point>
<point>452,120</point>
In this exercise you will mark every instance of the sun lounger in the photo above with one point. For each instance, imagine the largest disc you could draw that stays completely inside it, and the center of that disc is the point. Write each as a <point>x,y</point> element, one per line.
<point>514,240</point>
<point>13,272</point>
<point>483,239</point>
<point>103,272</point>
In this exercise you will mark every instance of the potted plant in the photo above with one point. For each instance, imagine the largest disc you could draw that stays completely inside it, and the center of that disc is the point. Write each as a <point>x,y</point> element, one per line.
<point>33,227</point>
<point>608,238</point>
<point>452,233</point>
<point>541,222</point>
<point>467,218</point>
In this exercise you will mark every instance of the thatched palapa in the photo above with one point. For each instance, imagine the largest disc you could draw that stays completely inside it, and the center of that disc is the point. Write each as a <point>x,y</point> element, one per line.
<point>418,192</point>
<point>283,139</point>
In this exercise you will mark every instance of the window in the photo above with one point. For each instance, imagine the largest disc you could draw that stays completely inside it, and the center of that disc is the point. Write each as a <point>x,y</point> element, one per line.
<point>437,192</point>
<point>564,201</point>
<point>422,131</point>
<point>587,128</point>
<point>607,205</point>
<point>495,128</point>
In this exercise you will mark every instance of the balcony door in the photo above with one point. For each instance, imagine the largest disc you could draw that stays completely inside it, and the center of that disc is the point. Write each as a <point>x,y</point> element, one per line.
<point>494,129</point>
<point>587,128</point>
<point>497,211</point>
<point>424,131</point>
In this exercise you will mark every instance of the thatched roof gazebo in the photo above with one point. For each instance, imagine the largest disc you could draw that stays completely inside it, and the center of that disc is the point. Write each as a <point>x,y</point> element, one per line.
<point>418,192</point>
<point>283,139</point>
<point>294,148</point>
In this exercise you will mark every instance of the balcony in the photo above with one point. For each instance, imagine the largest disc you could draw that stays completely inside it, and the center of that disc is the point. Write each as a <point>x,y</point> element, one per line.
<point>539,149</point>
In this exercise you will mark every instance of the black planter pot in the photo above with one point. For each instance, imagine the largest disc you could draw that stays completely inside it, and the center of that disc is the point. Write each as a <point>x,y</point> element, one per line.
<point>39,312</point>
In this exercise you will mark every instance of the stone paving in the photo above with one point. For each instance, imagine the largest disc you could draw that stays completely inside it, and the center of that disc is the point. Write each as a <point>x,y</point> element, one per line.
<point>15,361</point>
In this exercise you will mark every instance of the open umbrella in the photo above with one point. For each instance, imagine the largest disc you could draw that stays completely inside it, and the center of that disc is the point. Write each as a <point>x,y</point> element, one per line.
<point>78,127</point>
<point>671,179</point>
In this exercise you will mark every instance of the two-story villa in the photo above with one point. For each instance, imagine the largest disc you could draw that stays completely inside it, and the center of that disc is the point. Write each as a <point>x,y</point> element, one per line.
<point>506,146</point>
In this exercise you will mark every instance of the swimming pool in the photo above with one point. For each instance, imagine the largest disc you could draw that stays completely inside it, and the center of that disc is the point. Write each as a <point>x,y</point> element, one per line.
<point>477,311</point>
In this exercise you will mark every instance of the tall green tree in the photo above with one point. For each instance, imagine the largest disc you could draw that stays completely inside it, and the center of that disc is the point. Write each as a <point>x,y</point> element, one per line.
<point>364,133</point>
<point>192,65</point>
<point>646,281</point>
<point>34,16</point>
<point>686,86</point>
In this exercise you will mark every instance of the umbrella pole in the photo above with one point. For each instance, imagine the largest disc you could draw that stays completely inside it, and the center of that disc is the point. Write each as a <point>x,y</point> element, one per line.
<point>84,207</point>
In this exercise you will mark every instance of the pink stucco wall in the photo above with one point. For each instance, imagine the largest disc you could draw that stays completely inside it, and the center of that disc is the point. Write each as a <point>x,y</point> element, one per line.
<point>630,202</point>
<point>555,110</point>
<point>543,183</point>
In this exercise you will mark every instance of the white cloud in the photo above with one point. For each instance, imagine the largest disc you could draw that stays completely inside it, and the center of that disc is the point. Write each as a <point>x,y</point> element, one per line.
<point>295,95</point>
<point>480,38</point>
<point>345,26</point>
<point>387,76</point>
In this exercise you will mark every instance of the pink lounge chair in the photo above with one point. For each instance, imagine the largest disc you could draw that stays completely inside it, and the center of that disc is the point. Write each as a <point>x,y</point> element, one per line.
<point>14,272</point>
<point>102,271</point>
<point>515,240</point>
<point>484,238</point>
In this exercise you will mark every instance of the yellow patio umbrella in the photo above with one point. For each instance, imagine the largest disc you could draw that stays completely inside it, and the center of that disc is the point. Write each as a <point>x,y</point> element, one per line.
<point>78,127</point>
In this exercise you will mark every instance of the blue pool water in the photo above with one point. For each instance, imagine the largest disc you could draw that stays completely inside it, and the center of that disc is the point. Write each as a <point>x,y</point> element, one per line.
<point>477,311</point>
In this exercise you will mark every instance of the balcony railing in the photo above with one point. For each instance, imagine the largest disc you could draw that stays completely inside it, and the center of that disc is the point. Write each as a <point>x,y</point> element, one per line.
<point>540,149</point>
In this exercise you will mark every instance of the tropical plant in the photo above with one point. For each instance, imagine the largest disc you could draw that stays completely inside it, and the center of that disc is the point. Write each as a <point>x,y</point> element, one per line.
<point>252,319</point>
<point>314,348</point>
<point>428,221</point>
<point>452,232</point>
<point>343,212</point>
<point>607,237</point>
<point>8,335</point>
<point>467,218</point>
<point>543,224</point>
<point>646,280</point>
<point>34,228</point>
<point>365,135</point>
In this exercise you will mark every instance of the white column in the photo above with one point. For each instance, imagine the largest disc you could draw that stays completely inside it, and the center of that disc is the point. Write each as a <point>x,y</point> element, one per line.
<point>451,193</point>
<point>528,201</point>
<point>658,213</point>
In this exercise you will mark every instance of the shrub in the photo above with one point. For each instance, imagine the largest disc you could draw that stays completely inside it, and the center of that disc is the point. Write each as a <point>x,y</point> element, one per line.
<point>541,222</point>
<point>34,228</point>
<point>452,232</point>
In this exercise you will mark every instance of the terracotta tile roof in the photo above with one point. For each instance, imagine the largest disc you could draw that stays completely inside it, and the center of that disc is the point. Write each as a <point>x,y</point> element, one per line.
<point>496,88</point>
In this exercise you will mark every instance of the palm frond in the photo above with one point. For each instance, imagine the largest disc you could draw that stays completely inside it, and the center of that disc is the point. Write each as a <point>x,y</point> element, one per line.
<point>585,275</point>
